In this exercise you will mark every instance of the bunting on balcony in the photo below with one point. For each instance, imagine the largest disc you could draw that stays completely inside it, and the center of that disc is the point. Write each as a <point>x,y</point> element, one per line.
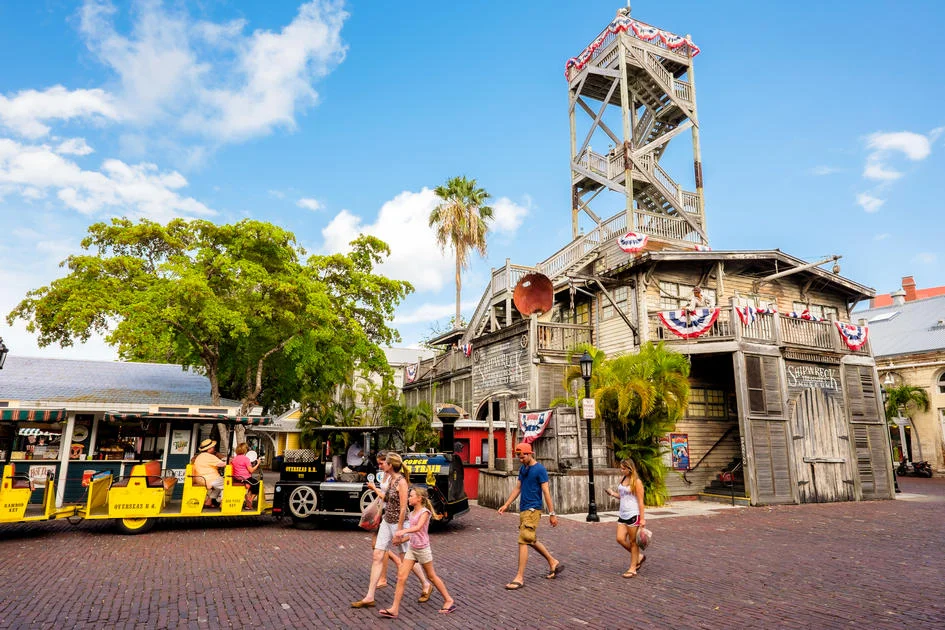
<point>411,371</point>
<point>689,323</point>
<point>533,424</point>
<point>853,336</point>
<point>622,24</point>
<point>632,242</point>
<point>467,349</point>
<point>748,314</point>
<point>805,314</point>
<point>703,248</point>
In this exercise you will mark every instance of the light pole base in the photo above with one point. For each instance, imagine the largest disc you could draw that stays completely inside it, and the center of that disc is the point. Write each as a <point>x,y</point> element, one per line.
<point>593,518</point>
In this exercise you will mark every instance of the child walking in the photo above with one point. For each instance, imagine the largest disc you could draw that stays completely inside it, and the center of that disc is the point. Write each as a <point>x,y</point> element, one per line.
<point>418,551</point>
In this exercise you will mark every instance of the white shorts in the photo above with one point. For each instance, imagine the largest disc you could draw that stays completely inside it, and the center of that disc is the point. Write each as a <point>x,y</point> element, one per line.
<point>385,536</point>
<point>421,556</point>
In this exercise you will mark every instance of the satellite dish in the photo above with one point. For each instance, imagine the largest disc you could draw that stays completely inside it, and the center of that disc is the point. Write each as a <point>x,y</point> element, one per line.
<point>533,293</point>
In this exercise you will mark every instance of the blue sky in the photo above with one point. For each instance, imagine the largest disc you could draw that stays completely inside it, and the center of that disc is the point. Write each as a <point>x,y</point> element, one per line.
<point>821,129</point>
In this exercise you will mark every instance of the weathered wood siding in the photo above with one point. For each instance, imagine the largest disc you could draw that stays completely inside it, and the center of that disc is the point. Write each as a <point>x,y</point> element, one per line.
<point>870,435</point>
<point>501,362</point>
<point>568,492</point>
<point>703,434</point>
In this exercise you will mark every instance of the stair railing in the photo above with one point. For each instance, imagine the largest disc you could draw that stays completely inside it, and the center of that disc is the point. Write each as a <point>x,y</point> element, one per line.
<point>706,454</point>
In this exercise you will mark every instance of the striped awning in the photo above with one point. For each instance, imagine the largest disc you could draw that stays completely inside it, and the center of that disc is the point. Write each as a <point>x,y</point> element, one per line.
<point>112,416</point>
<point>33,415</point>
<point>35,431</point>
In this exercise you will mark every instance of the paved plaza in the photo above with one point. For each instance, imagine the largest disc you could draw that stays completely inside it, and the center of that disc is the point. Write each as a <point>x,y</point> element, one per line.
<point>871,564</point>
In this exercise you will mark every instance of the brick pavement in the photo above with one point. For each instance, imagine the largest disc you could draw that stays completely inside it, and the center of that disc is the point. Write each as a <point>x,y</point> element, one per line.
<point>875,564</point>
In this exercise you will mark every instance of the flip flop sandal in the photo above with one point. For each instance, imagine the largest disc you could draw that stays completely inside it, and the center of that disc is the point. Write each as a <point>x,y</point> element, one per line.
<point>554,572</point>
<point>361,604</point>
<point>448,610</point>
<point>514,586</point>
<point>630,574</point>
<point>386,614</point>
<point>425,595</point>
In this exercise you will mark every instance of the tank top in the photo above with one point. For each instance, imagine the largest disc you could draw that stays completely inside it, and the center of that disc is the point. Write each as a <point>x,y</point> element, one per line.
<point>628,502</point>
<point>392,510</point>
<point>421,539</point>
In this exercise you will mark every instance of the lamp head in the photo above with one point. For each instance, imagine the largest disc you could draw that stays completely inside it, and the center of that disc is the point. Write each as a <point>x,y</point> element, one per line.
<point>587,365</point>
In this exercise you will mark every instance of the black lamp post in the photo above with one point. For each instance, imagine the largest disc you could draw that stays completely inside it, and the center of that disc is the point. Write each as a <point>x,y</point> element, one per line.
<point>3,353</point>
<point>587,367</point>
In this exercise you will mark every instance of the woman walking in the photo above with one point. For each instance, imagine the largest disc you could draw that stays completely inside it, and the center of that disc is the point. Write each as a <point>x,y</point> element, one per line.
<point>630,493</point>
<point>418,552</point>
<point>395,511</point>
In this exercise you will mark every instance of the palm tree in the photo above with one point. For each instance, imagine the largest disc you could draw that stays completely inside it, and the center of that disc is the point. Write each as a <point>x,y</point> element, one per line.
<point>908,398</point>
<point>460,220</point>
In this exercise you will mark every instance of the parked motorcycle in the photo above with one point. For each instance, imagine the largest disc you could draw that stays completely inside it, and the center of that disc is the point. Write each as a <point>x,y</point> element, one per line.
<point>916,469</point>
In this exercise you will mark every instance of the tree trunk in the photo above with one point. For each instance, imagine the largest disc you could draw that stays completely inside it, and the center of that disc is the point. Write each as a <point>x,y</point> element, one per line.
<point>459,292</point>
<point>214,384</point>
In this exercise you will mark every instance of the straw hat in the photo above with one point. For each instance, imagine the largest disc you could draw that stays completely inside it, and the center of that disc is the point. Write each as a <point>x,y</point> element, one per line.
<point>206,445</point>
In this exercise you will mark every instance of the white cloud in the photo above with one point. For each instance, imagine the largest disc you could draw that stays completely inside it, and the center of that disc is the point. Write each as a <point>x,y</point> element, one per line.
<point>869,203</point>
<point>431,312</point>
<point>403,223</point>
<point>914,146</point>
<point>309,203</point>
<point>136,190</point>
<point>825,170</point>
<point>27,112</point>
<point>212,79</point>
<point>925,258</point>
<point>876,170</point>
<point>507,215</point>
<point>74,146</point>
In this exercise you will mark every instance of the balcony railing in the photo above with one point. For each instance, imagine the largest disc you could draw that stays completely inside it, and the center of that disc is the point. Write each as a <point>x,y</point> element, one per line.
<point>722,330</point>
<point>562,337</point>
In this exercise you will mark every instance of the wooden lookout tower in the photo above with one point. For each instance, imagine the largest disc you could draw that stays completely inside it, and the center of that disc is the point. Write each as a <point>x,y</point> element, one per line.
<point>635,83</point>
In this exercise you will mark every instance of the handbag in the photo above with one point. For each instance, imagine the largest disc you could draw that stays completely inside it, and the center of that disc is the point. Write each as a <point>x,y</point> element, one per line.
<point>371,516</point>
<point>644,537</point>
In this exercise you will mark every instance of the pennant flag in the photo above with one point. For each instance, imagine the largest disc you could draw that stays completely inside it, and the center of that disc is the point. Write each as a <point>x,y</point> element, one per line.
<point>805,314</point>
<point>467,349</point>
<point>632,242</point>
<point>746,314</point>
<point>411,372</point>
<point>703,248</point>
<point>533,424</point>
<point>853,336</point>
<point>689,324</point>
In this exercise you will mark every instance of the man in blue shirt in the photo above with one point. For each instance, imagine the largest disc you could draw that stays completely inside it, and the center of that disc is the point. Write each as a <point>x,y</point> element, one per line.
<point>532,486</point>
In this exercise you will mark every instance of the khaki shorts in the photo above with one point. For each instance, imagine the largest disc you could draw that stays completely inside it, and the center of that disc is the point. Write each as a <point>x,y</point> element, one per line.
<point>420,556</point>
<point>528,527</point>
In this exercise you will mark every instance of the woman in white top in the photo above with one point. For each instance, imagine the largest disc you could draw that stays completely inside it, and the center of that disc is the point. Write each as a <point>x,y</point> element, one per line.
<point>630,493</point>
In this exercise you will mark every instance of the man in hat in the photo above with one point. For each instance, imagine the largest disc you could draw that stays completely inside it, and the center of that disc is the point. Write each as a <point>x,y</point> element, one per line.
<point>207,466</point>
<point>532,486</point>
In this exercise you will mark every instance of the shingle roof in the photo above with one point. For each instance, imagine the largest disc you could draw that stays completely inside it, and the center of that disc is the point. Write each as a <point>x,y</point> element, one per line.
<point>917,326</point>
<point>111,382</point>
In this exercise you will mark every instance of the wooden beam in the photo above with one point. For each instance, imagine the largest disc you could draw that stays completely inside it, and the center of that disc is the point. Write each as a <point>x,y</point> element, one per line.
<point>603,126</point>
<point>597,117</point>
<point>666,137</point>
<point>598,178</point>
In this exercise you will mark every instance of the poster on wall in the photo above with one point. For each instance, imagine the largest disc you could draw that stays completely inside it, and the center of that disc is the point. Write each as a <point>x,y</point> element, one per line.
<point>680,445</point>
<point>666,450</point>
<point>180,442</point>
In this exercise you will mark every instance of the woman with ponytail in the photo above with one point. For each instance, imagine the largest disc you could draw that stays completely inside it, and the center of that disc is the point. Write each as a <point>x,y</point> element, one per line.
<point>630,493</point>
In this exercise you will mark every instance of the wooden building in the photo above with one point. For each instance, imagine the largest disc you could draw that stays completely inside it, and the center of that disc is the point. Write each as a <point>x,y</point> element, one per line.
<point>777,390</point>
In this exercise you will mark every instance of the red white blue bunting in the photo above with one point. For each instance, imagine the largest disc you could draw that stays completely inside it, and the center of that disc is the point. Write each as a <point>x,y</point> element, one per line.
<point>805,314</point>
<point>467,349</point>
<point>853,336</point>
<point>689,323</point>
<point>632,242</point>
<point>533,424</point>
<point>642,31</point>
<point>703,248</point>
<point>410,372</point>
<point>748,314</point>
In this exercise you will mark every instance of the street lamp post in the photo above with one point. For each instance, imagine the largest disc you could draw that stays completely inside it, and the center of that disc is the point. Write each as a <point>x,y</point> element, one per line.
<point>587,366</point>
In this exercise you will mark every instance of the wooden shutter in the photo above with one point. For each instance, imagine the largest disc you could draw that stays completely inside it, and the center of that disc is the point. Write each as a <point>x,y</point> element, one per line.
<point>764,386</point>
<point>861,394</point>
<point>871,455</point>
<point>771,462</point>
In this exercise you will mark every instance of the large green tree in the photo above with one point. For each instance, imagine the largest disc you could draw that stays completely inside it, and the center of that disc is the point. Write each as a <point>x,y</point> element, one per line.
<point>239,302</point>
<point>905,399</point>
<point>461,222</point>
<point>640,397</point>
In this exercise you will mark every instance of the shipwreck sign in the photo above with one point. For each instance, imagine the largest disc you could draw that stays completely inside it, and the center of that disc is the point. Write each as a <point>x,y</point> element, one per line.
<point>503,365</point>
<point>812,376</point>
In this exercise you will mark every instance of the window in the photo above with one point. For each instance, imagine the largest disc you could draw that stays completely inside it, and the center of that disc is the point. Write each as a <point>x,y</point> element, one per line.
<point>675,296</point>
<point>941,383</point>
<point>818,310</point>
<point>706,403</point>
<point>620,297</point>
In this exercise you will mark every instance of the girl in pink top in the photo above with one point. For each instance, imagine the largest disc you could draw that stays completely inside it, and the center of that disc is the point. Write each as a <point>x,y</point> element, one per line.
<point>419,552</point>
<point>243,470</point>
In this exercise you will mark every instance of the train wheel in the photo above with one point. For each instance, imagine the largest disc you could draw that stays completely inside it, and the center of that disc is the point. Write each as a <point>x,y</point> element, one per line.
<point>303,502</point>
<point>366,499</point>
<point>134,526</point>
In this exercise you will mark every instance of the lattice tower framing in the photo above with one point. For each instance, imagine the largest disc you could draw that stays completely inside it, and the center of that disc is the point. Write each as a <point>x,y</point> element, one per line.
<point>648,75</point>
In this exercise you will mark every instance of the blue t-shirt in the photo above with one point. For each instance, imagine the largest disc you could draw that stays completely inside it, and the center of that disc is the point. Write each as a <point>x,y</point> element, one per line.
<point>531,477</point>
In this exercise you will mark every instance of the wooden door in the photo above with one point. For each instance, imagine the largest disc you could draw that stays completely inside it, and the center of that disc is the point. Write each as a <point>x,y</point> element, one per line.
<point>769,475</point>
<point>870,435</point>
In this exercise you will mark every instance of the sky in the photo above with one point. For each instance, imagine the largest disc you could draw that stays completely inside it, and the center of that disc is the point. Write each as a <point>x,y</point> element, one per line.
<point>821,130</point>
